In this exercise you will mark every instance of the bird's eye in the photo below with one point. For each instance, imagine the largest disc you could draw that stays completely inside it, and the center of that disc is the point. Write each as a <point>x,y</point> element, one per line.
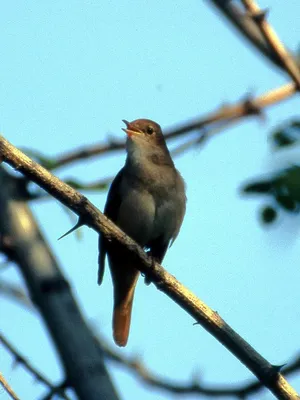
<point>149,130</point>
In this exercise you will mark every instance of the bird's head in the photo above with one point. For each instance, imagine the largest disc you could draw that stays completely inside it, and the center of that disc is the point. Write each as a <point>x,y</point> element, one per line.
<point>146,140</point>
<point>143,130</point>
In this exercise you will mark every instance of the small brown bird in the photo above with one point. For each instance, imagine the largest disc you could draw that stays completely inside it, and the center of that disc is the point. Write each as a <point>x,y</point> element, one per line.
<point>147,201</point>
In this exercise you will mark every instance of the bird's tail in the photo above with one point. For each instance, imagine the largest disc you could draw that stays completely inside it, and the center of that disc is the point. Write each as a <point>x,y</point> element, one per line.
<point>121,323</point>
<point>123,302</point>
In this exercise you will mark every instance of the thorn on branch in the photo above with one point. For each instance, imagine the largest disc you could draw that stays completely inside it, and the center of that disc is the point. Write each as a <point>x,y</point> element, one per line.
<point>259,16</point>
<point>18,360</point>
<point>78,225</point>
<point>251,108</point>
<point>278,368</point>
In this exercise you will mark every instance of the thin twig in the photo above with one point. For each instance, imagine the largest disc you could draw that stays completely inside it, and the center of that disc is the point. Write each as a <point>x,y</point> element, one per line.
<point>8,388</point>
<point>259,16</point>
<point>136,365</point>
<point>96,186</point>
<point>248,107</point>
<point>19,359</point>
<point>55,390</point>
<point>201,137</point>
<point>247,27</point>
<point>268,374</point>
<point>16,293</point>
<point>228,115</point>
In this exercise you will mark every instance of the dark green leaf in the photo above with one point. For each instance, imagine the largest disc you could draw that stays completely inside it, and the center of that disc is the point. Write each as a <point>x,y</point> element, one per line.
<point>258,187</point>
<point>287,135</point>
<point>280,139</point>
<point>286,202</point>
<point>268,215</point>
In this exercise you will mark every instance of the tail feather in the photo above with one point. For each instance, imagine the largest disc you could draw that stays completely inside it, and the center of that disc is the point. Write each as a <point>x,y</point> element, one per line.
<point>121,323</point>
<point>124,288</point>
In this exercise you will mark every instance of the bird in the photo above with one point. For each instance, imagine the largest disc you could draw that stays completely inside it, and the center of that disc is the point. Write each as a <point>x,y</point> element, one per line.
<point>147,201</point>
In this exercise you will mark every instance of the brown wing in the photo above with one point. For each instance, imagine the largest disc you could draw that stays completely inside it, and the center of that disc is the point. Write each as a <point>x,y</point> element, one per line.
<point>124,275</point>
<point>111,210</point>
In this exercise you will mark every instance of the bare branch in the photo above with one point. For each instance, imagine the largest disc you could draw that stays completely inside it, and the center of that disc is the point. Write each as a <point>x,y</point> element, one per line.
<point>136,365</point>
<point>248,28</point>
<point>38,376</point>
<point>81,358</point>
<point>14,292</point>
<point>55,390</point>
<point>72,156</point>
<point>259,17</point>
<point>268,374</point>
<point>8,388</point>
<point>100,184</point>
<point>212,123</point>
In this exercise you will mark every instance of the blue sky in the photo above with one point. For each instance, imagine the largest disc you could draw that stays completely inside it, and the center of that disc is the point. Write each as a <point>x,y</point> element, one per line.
<point>70,72</point>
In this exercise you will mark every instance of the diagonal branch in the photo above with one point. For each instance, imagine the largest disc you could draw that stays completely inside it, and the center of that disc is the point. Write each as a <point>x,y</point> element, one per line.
<point>268,374</point>
<point>6,386</point>
<point>248,28</point>
<point>20,359</point>
<point>288,62</point>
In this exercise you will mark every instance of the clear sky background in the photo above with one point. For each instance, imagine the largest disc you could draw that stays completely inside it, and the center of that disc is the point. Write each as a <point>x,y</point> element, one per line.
<point>70,72</point>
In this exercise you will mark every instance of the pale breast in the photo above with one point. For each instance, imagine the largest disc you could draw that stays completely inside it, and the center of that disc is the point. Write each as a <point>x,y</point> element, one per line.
<point>136,214</point>
<point>153,203</point>
<point>169,214</point>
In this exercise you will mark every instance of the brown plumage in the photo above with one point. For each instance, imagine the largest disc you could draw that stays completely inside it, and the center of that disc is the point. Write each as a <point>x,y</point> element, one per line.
<point>147,201</point>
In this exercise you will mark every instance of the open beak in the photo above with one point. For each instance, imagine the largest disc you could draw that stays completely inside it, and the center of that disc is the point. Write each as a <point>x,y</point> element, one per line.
<point>130,130</point>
